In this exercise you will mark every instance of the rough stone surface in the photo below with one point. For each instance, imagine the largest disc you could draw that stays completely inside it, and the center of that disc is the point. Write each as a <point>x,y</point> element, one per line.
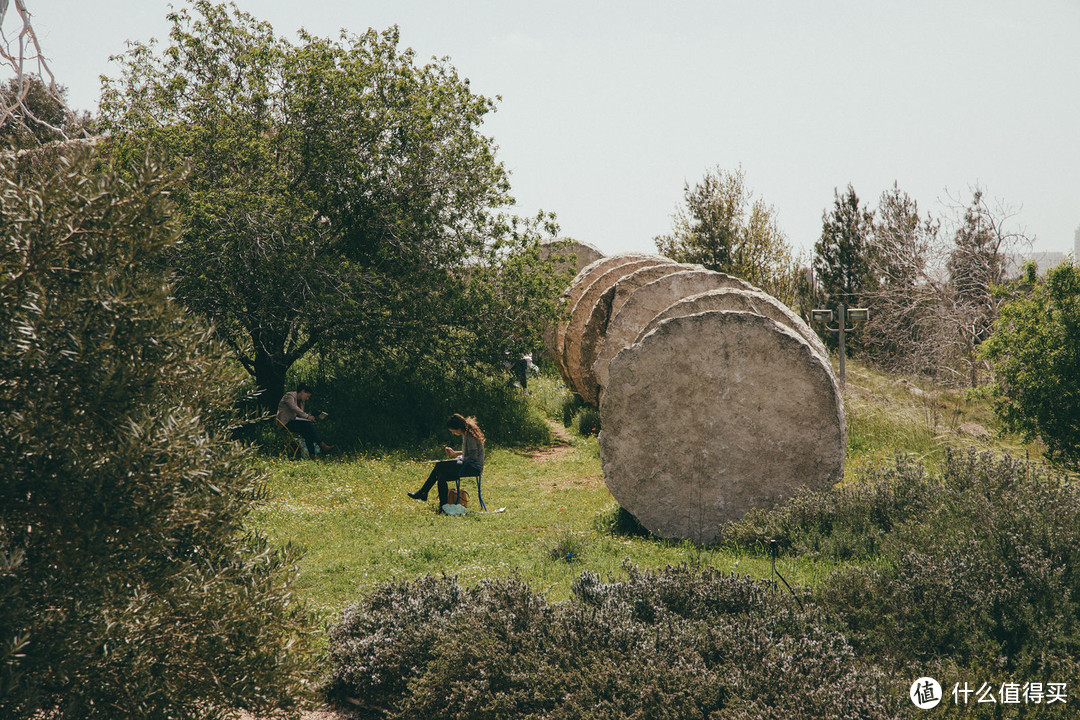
<point>740,301</point>
<point>581,282</point>
<point>648,301</point>
<point>580,364</point>
<point>592,285</point>
<point>716,413</point>
<point>584,253</point>
<point>582,311</point>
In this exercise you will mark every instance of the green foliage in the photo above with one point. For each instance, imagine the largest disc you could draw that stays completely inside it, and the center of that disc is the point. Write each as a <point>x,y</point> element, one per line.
<point>975,571</point>
<point>128,584</point>
<point>389,399</point>
<point>586,421</point>
<point>340,194</point>
<point>1035,354</point>
<point>841,254</point>
<point>569,547</point>
<point>723,228</point>
<point>618,521</point>
<point>669,644</point>
<point>38,114</point>
<point>847,523</point>
<point>550,395</point>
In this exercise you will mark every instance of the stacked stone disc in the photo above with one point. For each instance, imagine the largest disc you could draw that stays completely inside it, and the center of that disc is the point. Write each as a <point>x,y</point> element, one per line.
<point>714,397</point>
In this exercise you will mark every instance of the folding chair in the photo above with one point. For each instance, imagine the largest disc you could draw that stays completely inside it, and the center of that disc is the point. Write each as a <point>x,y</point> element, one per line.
<point>294,446</point>
<point>471,473</point>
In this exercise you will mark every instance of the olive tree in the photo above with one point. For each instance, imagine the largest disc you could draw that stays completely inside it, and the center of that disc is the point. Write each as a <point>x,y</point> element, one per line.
<point>129,585</point>
<point>340,191</point>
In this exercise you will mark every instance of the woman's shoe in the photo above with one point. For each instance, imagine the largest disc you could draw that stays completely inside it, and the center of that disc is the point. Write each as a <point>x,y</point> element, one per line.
<point>418,496</point>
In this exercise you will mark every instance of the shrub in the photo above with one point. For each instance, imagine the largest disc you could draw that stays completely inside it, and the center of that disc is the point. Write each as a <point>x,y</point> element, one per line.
<point>666,644</point>
<point>127,581</point>
<point>587,421</point>
<point>619,521</point>
<point>548,392</point>
<point>1036,361</point>
<point>568,547</point>
<point>845,523</point>
<point>986,576</point>
<point>570,406</point>
<point>977,569</point>
<point>383,400</point>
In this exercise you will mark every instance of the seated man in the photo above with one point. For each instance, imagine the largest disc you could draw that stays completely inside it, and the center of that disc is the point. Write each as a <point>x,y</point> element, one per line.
<point>291,413</point>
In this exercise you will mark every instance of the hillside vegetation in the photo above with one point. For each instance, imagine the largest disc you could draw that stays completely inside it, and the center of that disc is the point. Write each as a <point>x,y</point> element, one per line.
<point>938,555</point>
<point>359,529</point>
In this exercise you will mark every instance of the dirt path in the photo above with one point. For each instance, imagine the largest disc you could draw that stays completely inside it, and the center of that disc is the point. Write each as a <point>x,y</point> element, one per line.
<point>555,451</point>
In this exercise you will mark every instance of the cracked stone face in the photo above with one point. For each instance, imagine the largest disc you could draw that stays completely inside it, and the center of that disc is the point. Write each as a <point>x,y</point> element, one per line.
<point>648,301</point>
<point>759,303</point>
<point>716,413</point>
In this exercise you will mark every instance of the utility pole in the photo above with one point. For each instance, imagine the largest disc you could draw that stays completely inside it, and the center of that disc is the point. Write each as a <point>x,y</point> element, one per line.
<point>843,314</point>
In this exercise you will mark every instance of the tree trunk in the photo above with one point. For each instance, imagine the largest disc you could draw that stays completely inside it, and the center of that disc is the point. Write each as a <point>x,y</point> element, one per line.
<point>270,378</point>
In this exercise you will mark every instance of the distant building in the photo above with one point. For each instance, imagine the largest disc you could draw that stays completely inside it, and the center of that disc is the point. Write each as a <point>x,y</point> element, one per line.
<point>1043,260</point>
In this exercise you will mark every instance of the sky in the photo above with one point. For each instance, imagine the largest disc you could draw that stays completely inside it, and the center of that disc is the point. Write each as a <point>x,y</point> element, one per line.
<point>609,108</point>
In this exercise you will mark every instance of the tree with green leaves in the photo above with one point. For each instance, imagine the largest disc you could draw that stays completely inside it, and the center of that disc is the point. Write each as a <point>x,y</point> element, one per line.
<point>842,253</point>
<point>340,192</point>
<point>1034,352</point>
<point>723,227</point>
<point>129,583</point>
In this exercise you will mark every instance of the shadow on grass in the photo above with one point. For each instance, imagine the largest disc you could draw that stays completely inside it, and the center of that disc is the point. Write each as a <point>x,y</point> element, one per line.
<point>621,523</point>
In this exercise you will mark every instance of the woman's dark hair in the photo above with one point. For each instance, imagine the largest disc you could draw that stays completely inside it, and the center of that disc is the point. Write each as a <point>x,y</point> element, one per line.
<point>460,422</point>
<point>303,387</point>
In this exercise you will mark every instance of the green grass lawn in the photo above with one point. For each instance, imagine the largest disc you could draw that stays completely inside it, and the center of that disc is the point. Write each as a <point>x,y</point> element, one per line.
<point>550,516</point>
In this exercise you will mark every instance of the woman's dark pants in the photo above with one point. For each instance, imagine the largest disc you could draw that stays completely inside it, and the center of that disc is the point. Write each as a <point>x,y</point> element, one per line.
<point>444,472</point>
<point>306,428</point>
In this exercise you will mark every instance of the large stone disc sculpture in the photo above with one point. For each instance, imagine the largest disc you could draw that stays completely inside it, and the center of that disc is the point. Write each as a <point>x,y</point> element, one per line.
<point>581,309</point>
<point>758,303</point>
<point>581,348</point>
<point>582,254</point>
<point>648,301</point>
<point>713,414</point>
<point>573,293</point>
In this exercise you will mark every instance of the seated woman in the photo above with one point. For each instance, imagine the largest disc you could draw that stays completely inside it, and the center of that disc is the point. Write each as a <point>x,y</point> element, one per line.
<point>468,461</point>
<point>292,415</point>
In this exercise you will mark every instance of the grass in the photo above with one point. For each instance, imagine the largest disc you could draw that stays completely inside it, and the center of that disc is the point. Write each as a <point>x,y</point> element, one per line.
<point>359,530</point>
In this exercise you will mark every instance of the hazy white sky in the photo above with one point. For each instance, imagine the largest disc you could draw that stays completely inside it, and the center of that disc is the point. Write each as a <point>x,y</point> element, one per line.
<point>609,107</point>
